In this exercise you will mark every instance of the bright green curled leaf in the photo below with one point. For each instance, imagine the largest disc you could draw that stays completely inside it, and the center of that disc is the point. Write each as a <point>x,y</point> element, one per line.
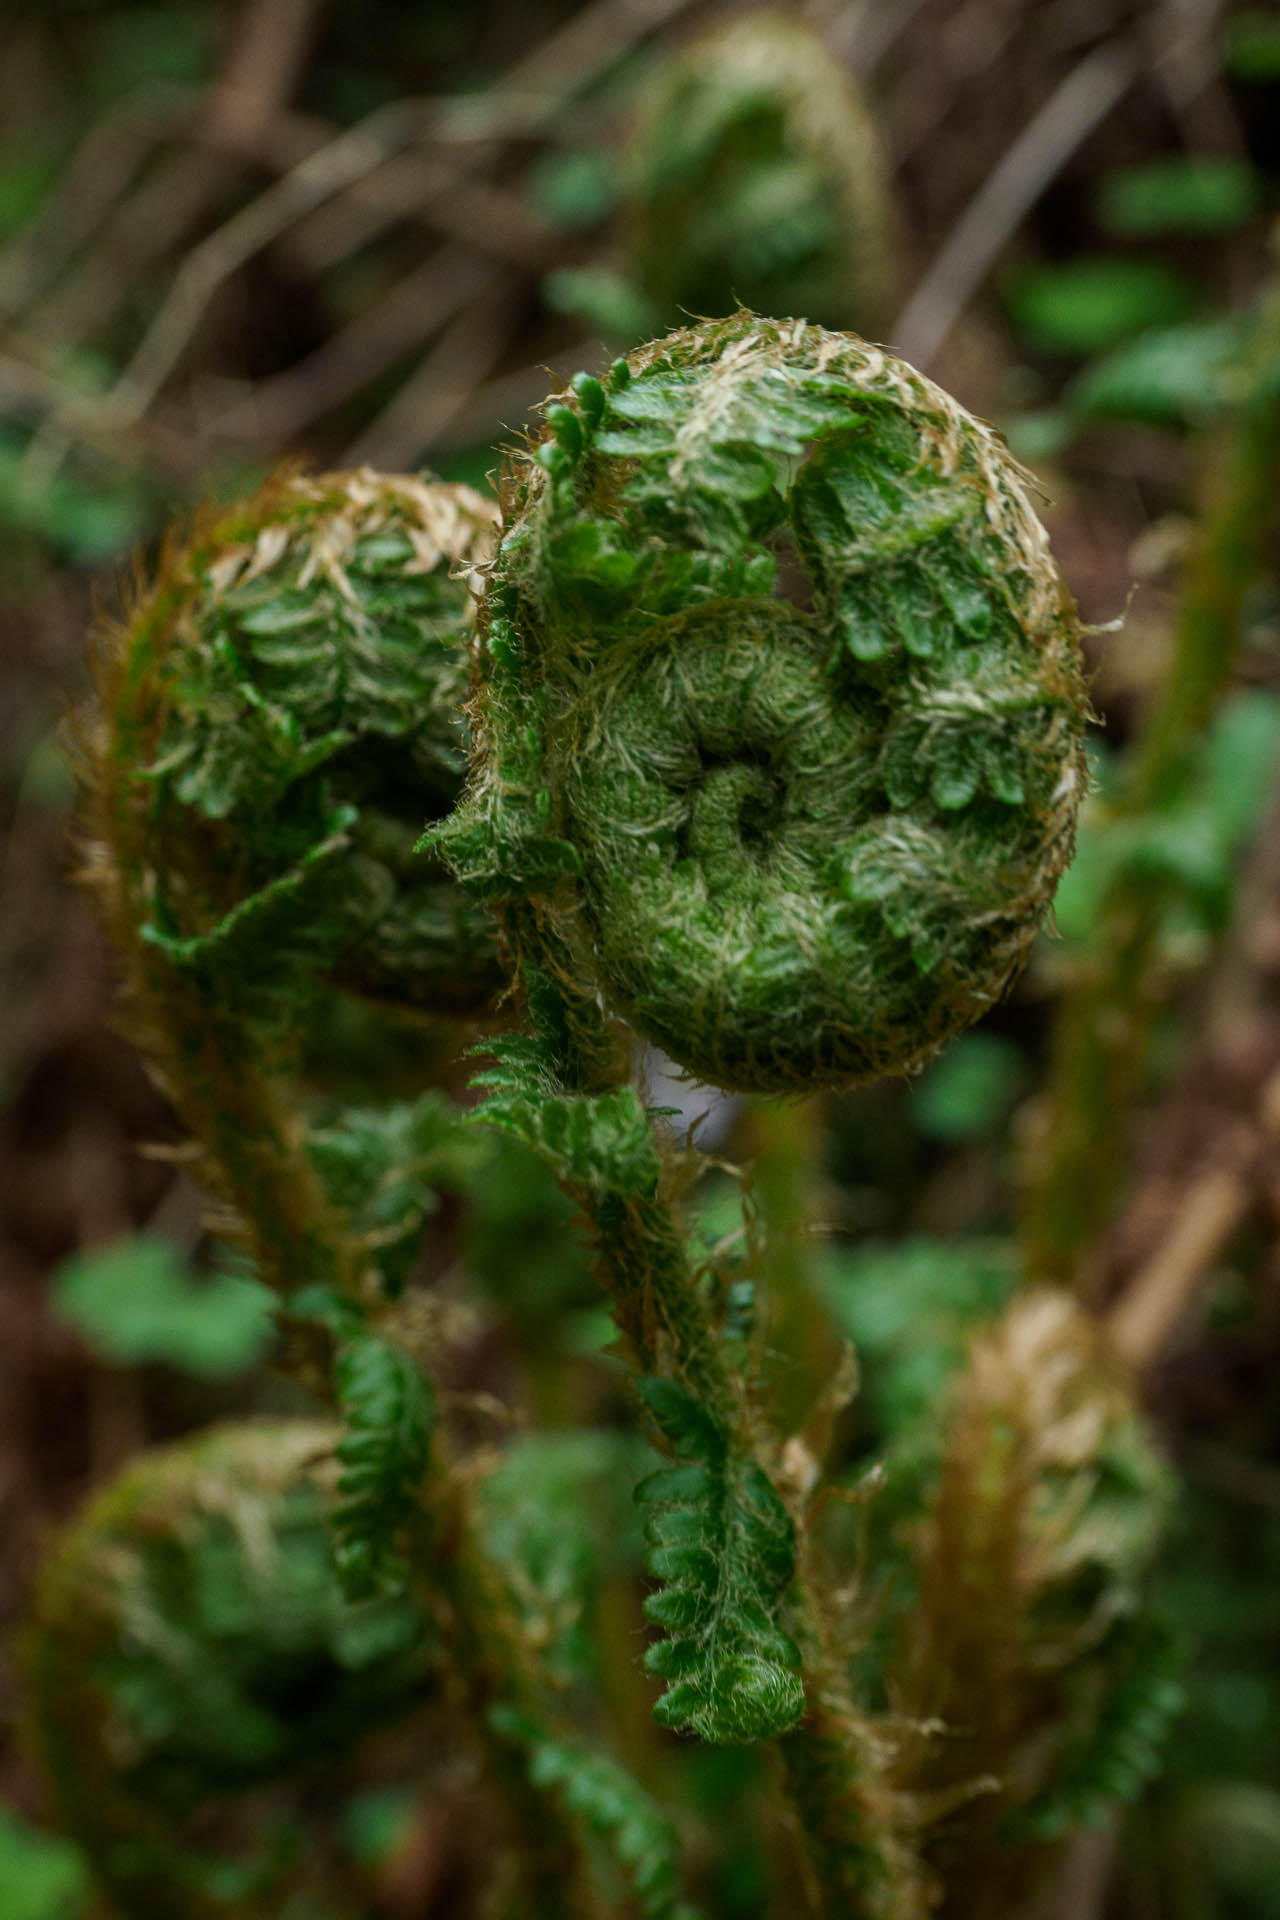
<point>138,1301</point>
<point>723,1547</point>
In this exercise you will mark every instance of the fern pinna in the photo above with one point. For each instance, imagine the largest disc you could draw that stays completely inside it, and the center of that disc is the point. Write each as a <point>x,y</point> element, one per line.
<point>772,760</point>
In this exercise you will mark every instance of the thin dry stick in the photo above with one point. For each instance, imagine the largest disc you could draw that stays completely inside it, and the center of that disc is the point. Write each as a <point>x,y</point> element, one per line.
<point>435,191</point>
<point>256,81</point>
<point>1215,1205</point>
<point>276,411</point>
<point>1160,1293</point>
<point>1070,114</point>
<point>532,94</point>
<point>98,173</point>
<point>467,350</point>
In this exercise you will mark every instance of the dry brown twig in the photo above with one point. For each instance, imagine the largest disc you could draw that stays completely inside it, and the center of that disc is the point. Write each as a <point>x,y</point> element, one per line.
<point>532,94</point>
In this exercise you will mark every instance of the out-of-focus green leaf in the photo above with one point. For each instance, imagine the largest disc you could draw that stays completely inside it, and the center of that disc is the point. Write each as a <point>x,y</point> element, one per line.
<point>968,1092</point>
<point>376,1823</point>
<point>41,1877</point>
<point>604,300</point>
<point>1174,376</point>
<point>1253,46</point>
<point>137,1300</point>
<point>1084,305</point>
<point>572,190</point>
<point>1038,436</point>
<point>909,1309</point>
<point>1192,844</point>
<point>1186,193</point>
<point>88,521</point>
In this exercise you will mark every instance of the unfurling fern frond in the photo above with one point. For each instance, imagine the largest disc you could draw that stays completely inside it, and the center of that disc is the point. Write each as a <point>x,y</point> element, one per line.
<point>198,1683</point>
<point>287,690</point>
<point>723,1546</point>
<point>778,742</point>
<point>1121,1744</point>
<point>602,1798</point>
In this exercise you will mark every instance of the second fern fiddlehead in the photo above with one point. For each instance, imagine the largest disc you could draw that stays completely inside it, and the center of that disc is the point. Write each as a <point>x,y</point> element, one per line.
<point>780,746</point>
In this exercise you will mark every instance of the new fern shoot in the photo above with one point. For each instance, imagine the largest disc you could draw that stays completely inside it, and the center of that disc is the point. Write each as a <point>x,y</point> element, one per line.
<point>754,731</point>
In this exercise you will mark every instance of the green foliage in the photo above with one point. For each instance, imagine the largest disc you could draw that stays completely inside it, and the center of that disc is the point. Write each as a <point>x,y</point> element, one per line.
<point>1170,376</point>
<point>602,1797</point>
<point>556,1516</point>
<point>1124,1745</point>
<point>967,1093</point>
<point>603,300</point>
<point>723,1546</point>
<point>1186,193</point>
<point>778,751</point>
<point>138,1301</point>
<point>1190,843</point>
<point>41,1876</point>
<point>573,188</point>
<point>910,1309</point>
<point>598,1143</point>
<point>383,1167</point>
<point>389,1409</point>
<point>81,514</point>
<point>1253,45</point>
<point>1084,305</point>
<point>519,1239</point>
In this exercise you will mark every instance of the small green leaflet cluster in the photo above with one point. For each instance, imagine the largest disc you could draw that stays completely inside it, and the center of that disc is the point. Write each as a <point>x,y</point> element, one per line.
<point>1124,1745</point>
<point>557,1520</point>
<point>723,1547</point>
<point>382,1166</point>
<point>389,1412</point>
<point>260,960</point>
<point>599,1144</point>
<point>604,1799</point>
<point>720,1539</point>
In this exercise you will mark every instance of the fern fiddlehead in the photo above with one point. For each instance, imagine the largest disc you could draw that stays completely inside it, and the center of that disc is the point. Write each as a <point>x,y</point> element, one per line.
<point>276,710</point>
<point>778,756</point>
<point>780,744</point>
<point>755,176</point>
<point>274,716</point>
<point>197,1677</point>
<point>1029,1637</point>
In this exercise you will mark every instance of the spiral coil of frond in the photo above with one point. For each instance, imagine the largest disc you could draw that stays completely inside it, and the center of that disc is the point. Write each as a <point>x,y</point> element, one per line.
<point>780,730</point>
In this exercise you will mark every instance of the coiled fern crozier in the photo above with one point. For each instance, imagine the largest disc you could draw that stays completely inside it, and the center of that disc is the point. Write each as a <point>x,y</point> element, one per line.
<point>773,756</point>
<point>780,733</point>
<point>193,1662</point>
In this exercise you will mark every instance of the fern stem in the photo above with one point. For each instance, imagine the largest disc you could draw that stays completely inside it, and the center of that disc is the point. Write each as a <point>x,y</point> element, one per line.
<point>494,1669</point>
<point>1101,1039</point>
